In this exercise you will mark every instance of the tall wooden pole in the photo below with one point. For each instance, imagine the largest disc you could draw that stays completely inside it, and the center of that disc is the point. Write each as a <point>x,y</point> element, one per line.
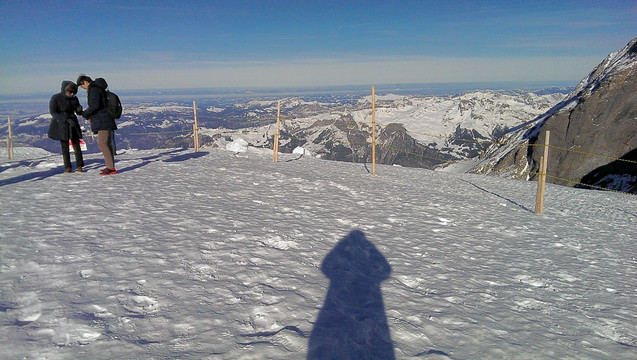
<point>275,150</point>
<point>10,141</point>
<point>195,128</point>
<point>373,131</point>
<point>539,202</point>
<point>541,181</point>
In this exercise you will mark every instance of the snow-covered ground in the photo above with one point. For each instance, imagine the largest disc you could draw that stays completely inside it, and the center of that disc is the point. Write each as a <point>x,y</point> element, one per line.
<point>227,255</point>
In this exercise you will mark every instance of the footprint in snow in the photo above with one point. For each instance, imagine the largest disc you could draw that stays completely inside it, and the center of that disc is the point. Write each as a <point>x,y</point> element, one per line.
<point>68,333</point>
<point>139,305</point>
<point>23,308</point>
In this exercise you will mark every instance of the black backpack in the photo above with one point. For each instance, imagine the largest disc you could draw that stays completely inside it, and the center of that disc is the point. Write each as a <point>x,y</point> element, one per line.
<point>113,105</point>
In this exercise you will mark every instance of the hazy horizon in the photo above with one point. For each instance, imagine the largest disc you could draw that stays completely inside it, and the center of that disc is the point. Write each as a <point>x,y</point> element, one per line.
<point>277,44</point>
<point>443,88</point>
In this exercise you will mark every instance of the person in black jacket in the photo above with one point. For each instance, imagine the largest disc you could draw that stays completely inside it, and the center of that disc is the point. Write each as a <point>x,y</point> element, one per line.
<point>64,125</point>
<point>101,122</point>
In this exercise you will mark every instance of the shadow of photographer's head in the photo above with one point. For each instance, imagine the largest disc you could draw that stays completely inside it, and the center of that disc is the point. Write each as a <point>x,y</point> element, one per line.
<point>354,258</point>
<point>352,323</point>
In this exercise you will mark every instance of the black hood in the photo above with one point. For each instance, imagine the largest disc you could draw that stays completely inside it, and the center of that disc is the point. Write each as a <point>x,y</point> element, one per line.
<point>100,83</point>
<point>65,83</point>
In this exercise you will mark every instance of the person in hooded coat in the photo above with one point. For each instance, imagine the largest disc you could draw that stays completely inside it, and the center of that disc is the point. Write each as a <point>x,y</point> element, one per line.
<point>101,122</point>
<point>64,125</point>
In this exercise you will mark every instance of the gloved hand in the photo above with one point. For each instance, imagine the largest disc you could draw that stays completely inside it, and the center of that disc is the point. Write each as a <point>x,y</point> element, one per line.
<point>79,109</point>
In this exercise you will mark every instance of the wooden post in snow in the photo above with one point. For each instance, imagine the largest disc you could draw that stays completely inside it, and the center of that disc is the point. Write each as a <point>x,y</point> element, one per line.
<point>541,181</point>
<point>195,127</point>
<point>373,131</point>
<point>539,196</point>
<point>10,141</point>
<point>275,150</point>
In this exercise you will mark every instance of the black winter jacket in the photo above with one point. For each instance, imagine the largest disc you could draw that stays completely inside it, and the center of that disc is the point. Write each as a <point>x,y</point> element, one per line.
<point>64,125</point>
<point>96,111</point>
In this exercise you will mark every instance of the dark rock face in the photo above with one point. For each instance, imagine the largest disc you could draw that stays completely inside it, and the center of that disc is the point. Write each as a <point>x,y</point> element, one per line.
<point>394,145</point>
<point>595,126</point>
<point>619,174</point>
<point>401,149</point>
<point>603,124</point>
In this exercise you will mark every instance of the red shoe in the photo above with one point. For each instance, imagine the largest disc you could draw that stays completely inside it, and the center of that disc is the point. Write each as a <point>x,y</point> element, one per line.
<point>108,171</point>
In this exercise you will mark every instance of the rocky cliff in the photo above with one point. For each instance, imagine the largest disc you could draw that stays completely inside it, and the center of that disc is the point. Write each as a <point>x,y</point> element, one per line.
<point>593,132</point>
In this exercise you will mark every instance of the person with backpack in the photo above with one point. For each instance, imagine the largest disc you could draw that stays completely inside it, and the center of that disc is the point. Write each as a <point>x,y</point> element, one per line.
<point>64,125</point>
<point>102,123</point>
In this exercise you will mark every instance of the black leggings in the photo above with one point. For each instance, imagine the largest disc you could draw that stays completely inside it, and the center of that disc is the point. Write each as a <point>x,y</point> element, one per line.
<point>66,153</point>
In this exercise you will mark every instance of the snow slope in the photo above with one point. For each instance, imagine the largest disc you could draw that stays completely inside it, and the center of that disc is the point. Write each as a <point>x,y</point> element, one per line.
<point>227,255</point>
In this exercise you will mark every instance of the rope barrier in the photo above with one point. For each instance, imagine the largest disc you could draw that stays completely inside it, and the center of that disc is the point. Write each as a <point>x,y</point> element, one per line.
<point>351,123</point>
<point>591,154</point>
<point>491,142</point>
<point>487,167</point>
<point>361,124</point>
<point>163,132</point>
<point>588,185</point>
<point>500,143</point>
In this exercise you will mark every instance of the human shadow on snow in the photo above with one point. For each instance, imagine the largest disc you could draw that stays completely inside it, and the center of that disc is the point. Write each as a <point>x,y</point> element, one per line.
<point>184,157</point>
<point>91,164</point>
<point>149,159</point>
<point>173,158</point>
<point>41,175</point>
<point>352,323</point>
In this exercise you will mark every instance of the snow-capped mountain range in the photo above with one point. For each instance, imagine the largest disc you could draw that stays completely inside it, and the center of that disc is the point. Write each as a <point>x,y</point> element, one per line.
<point>413,130</point>
<point>448,127</point>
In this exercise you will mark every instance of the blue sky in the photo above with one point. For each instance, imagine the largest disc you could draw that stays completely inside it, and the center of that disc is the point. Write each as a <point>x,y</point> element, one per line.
<point>243,43</point>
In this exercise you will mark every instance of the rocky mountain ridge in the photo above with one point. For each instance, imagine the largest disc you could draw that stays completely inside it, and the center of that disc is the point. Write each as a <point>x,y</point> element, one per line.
<point>593,132</point>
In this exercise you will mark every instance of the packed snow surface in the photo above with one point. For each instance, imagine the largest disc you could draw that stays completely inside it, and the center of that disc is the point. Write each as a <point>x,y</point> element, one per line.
<point>227,255</point>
